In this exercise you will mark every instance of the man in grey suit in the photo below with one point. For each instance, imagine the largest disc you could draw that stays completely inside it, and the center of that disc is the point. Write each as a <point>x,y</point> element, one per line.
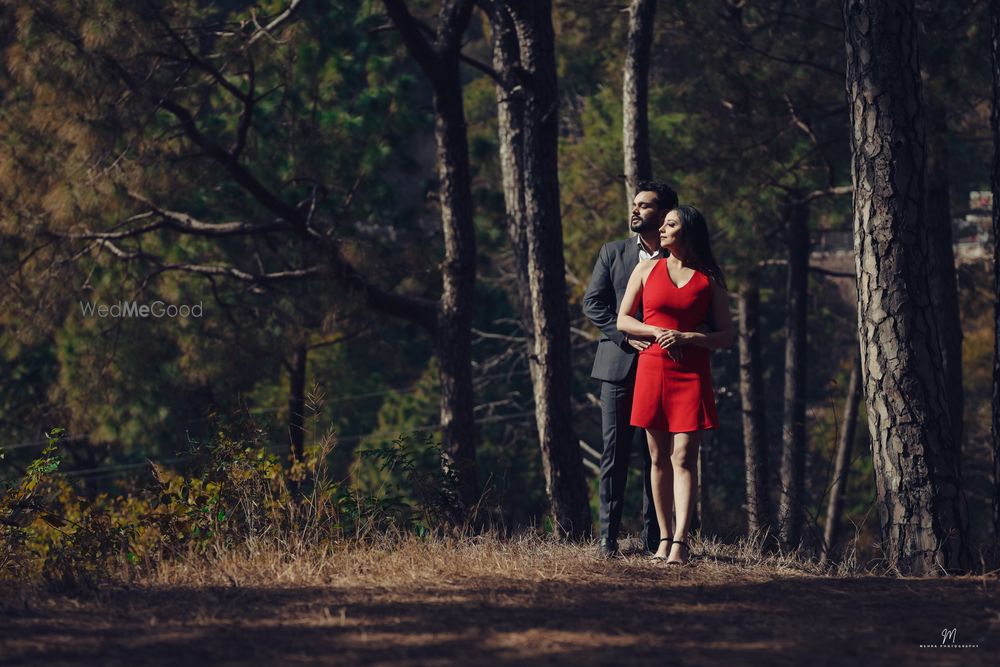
<point>615,362</point>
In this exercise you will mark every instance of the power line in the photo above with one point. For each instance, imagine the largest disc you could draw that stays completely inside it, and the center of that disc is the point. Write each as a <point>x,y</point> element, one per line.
<point>88,472</point>
<point>36,443</point>
<point>432,427</point>
<point>105,471</point>
<point>403,390</point>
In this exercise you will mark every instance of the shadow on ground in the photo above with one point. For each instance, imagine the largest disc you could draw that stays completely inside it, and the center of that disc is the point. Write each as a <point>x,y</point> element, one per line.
<point>638,614</point>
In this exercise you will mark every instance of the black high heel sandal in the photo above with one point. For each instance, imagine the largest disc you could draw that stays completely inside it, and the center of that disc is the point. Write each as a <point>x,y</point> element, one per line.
<point>680,562</point>
<point>660,558</point>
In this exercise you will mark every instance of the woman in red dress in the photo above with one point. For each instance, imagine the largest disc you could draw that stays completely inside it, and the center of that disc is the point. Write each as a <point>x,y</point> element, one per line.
<point>674,400</point>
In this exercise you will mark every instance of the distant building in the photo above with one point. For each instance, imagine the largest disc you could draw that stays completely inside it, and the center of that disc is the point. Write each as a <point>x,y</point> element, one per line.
<point>977,225</point>
<point>972,234</point>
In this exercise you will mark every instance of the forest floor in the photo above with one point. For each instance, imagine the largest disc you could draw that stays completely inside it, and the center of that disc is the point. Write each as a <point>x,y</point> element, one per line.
<point>503,602</point>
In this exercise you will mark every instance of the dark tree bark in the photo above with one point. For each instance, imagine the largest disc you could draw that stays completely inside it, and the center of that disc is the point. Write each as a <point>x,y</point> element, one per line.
<point>795,212</point>
<point>546,271</point>
<point>920,500</point>
<point>752,405</point>
<point>995,183</point>
<point>453,340</point>
<point>701,504</point>
<point>84,455</point>
<point>944,279</point>
<point>635,94</point>
<point>532,128</point>
<point>297,405</point>
<point>838,492</point>
<point>510,112</point>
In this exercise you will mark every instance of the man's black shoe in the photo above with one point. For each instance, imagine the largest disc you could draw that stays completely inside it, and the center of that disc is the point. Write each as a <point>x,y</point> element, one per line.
<point>608,548</point>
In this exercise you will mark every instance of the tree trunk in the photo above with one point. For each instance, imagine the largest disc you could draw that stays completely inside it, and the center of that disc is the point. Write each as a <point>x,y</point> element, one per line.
<point>635,95</point>
<point>453,342</point>
<point>793,431</point>
<point>944,280</point>
<point>835,508</point>
<point>458,271</point>
<point>297,409</point>
<point>550,360</point>
<point>510,114</point>
<point>84,455</point>
<point>995,183</point>
<point>752,403</point>
<point>701,504</point>
<point>914,451</point>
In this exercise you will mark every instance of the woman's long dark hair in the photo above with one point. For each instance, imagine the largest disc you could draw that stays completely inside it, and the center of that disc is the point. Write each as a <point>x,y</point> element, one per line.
<point>694,233</point>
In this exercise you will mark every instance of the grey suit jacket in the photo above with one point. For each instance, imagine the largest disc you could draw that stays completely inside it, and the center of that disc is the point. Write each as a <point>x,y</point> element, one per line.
<point>615,263</point>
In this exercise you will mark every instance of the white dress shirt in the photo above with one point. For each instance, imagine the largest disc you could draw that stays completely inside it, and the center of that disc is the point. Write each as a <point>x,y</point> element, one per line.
<point>643,254</point>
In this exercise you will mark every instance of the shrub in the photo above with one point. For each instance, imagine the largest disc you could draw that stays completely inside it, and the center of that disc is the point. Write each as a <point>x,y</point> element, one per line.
<point>233,494</point>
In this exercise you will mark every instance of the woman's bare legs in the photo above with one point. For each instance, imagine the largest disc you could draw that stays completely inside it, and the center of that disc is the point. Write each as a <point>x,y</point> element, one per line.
<point>662,481</point>
<point>684,461</point>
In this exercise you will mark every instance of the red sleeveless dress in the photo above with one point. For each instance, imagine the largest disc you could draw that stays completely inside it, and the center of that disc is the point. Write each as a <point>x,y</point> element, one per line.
<point>674,396</point>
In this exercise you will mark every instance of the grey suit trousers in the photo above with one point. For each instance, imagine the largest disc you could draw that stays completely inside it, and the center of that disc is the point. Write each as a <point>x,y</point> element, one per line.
<point>619,437</point>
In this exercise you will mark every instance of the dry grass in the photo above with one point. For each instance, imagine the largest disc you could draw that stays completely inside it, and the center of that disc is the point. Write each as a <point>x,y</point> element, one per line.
<point>405,559</point>
<point>486,600</point>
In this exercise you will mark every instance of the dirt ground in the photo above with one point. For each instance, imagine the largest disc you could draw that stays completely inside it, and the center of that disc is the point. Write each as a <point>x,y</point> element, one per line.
<point>591,612</point>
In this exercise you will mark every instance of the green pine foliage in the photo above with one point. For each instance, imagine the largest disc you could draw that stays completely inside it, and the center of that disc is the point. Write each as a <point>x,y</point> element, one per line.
<point>746,110</point>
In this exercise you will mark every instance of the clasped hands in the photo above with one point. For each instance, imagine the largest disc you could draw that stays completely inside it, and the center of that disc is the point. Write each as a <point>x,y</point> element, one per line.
<point>669,339</point>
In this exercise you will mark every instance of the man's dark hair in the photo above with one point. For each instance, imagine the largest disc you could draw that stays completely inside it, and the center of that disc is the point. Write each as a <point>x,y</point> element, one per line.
<point>666,198</point>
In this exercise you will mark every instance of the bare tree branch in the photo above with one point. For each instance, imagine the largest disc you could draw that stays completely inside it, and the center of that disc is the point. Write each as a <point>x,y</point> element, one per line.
<point>239,173</point>
<point>417,310</point>
<point>482,67</point>
<point>173,220</point>
<point>811,267</point>
<point>200,62</point>
<point>496,336</point>
<point>247,115</point>
<point>276,23</point>
<point>453,20</point>
<point>465,58</point>
<point>409,28</point>
<point>832,274</point>
<point>806,128</point>
<point>186,223</point>
<point>211,269</point>
<point>830,192</point>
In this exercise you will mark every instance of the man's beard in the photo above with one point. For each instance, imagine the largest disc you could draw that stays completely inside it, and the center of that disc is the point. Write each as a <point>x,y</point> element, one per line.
<point>639,225</point>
